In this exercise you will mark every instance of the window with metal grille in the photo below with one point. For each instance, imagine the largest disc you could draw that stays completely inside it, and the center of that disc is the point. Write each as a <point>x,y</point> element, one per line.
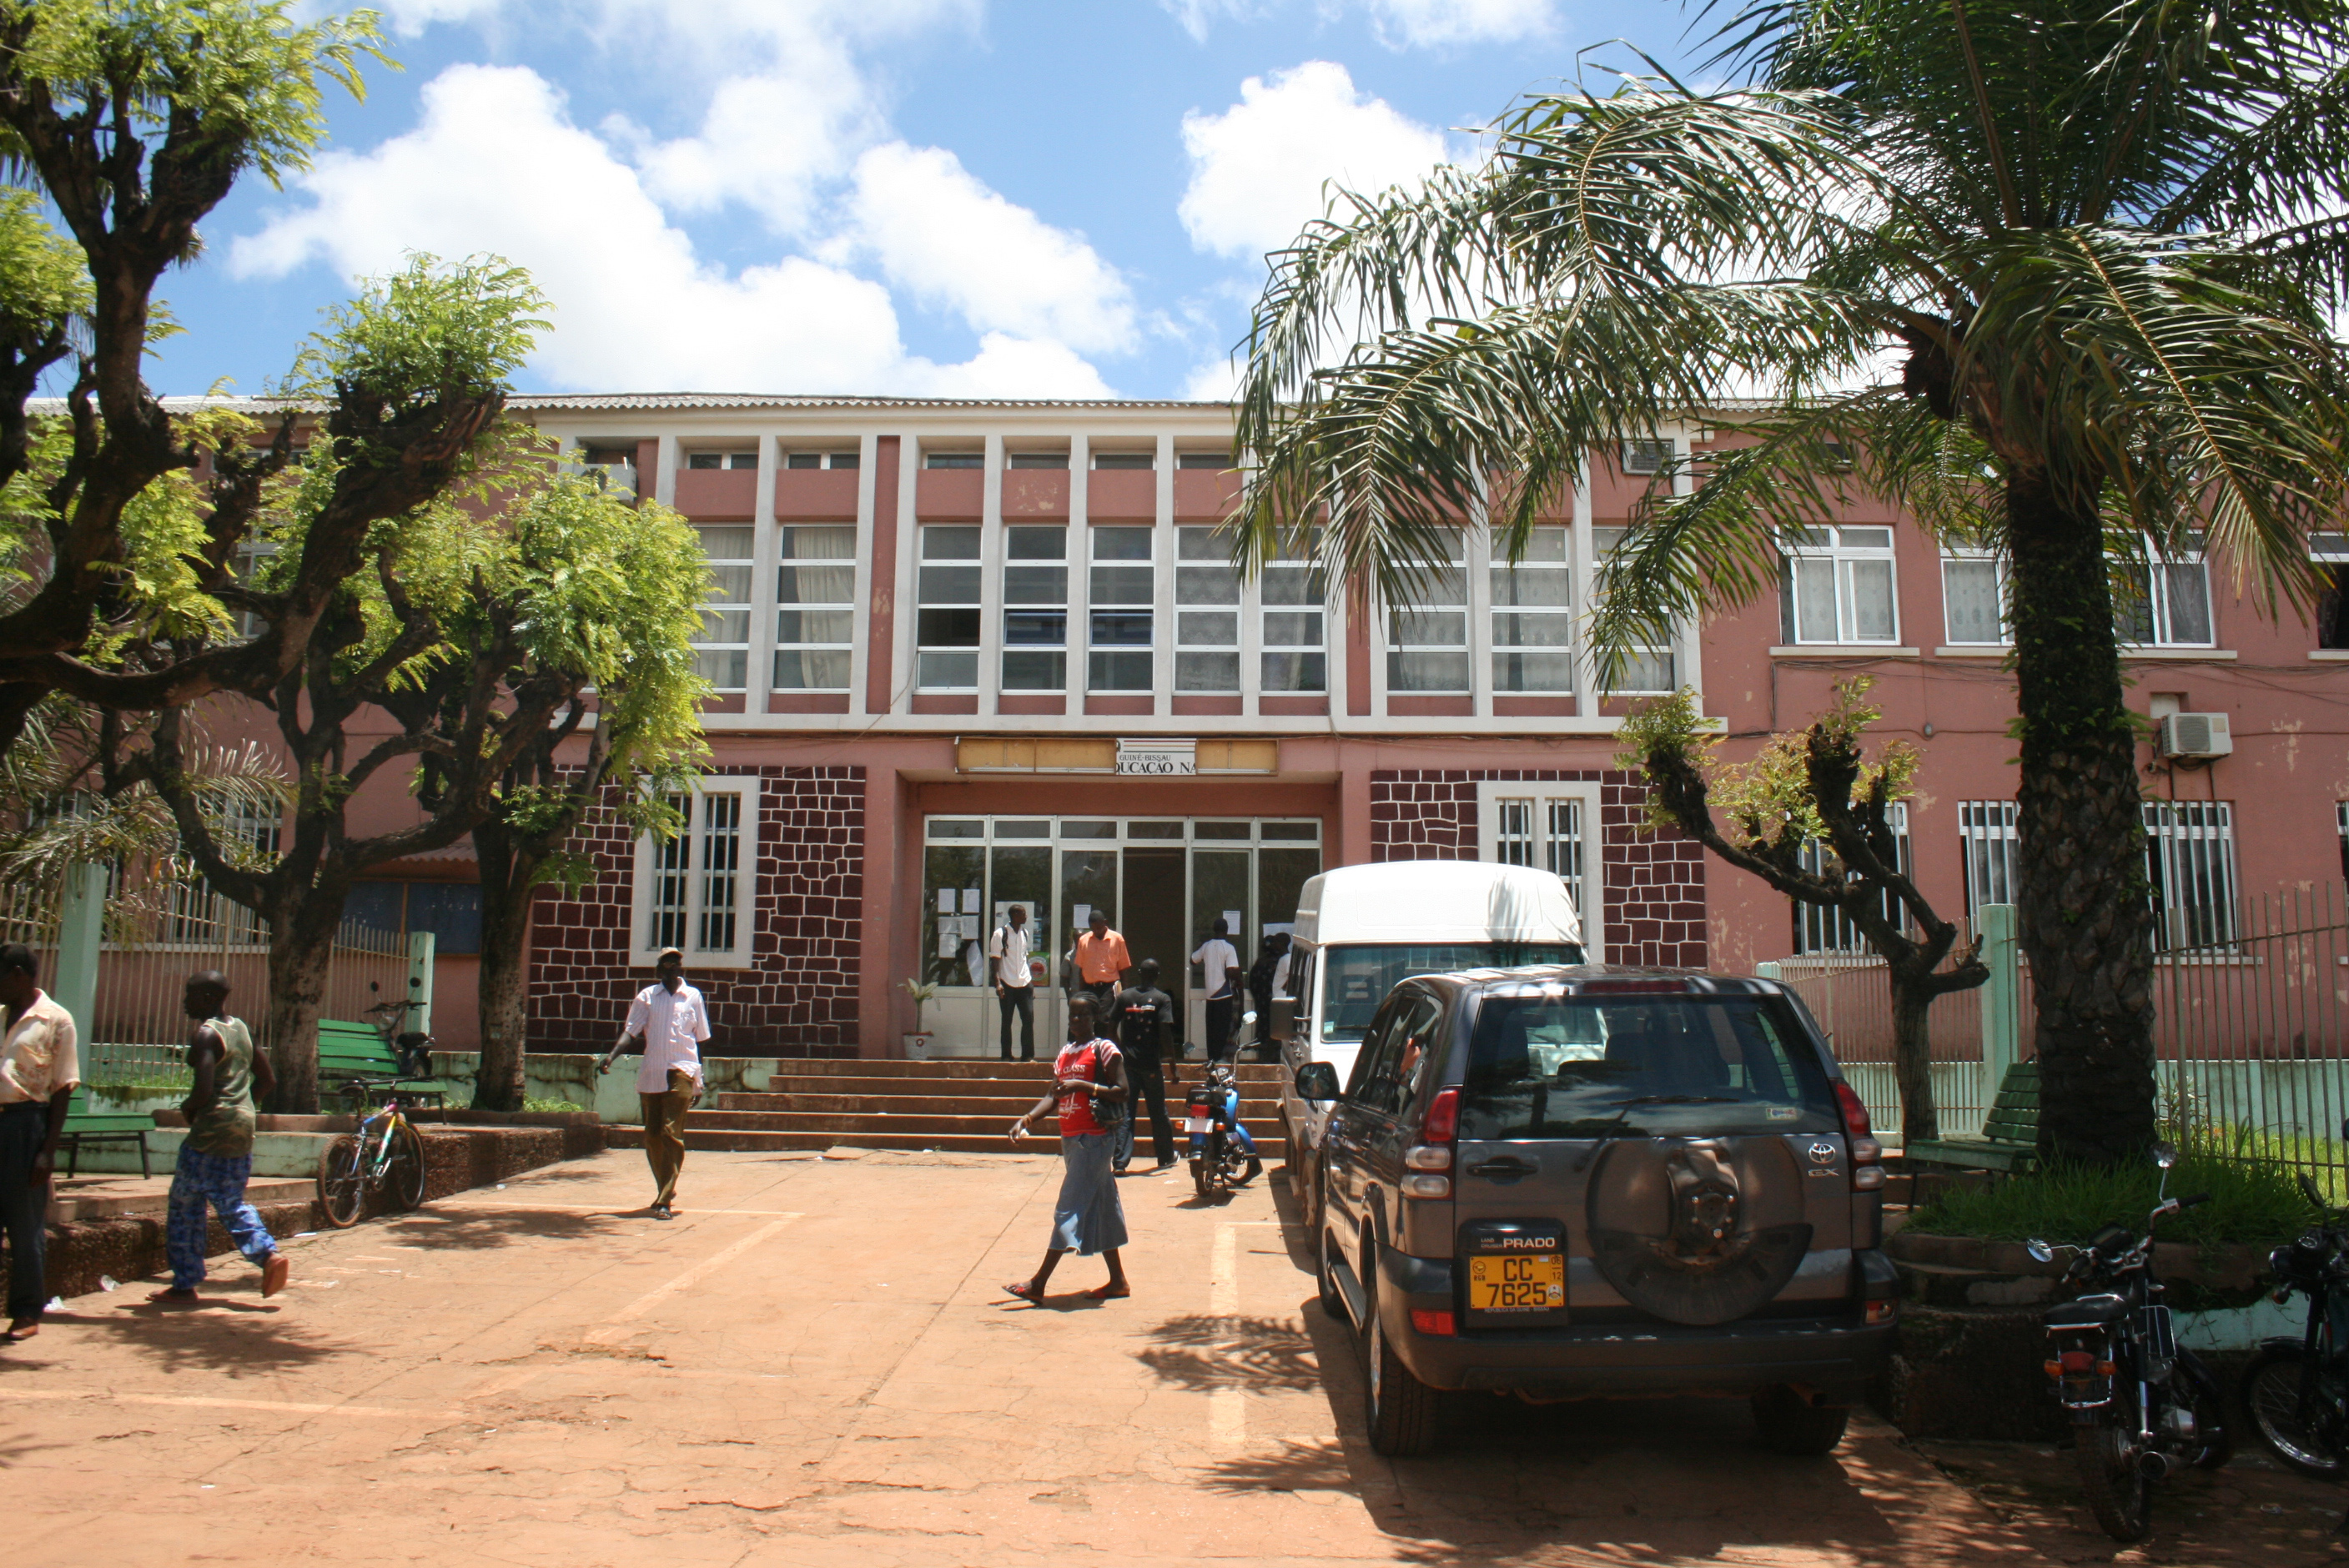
<point>1533,617</point>
<point>1548,826</point>
<point>1427,637</point>
<point>1206,612</point>
<point>946,613</point>
<point>1294,621</point>
<point>693,889</point>
<point>724,640</point>
<point>1818,929</point>
<point>1036,608</point>
<point>2190,859</point>
<point>1124,586</point>
<point>815,593</point>
<point>1837,586</point>
<point>1987,845</point>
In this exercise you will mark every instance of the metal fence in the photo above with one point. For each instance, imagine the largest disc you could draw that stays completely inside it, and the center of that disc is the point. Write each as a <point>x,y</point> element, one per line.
<point>2250,1032</point>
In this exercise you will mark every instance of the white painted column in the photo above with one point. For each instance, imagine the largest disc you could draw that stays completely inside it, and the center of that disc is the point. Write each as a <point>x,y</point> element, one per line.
<point>860,647</point>
<point>1161,606</point>
<point>991,580</point>
<point>1586,576</point>
<point>1691,639</point>
<point>1081,600</point>
<point>1478,539</point>
<point>665,482</point>
<point>759,680</point>
<point>904,660</point>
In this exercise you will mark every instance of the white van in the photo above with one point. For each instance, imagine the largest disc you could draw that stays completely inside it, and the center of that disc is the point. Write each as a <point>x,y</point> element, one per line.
<point>1363,930</point>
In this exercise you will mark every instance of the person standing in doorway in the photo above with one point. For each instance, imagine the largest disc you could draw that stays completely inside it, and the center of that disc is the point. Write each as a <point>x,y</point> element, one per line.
<point>670,1021</point>
<point>1015,982</point>
<point>1146,1025</point>
<point>1219,968</point>
<point>216,1159</point>
<point>1101,962</point>
<point>1263,984</point>
<point>40,1065</point>
<point>1087,1218</point>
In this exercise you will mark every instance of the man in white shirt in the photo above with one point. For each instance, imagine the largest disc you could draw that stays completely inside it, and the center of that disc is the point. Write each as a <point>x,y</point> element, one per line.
<point>1219,965</point>
<point>39,1067</point>
<point>670,1021</point>
<point>1015,981</point>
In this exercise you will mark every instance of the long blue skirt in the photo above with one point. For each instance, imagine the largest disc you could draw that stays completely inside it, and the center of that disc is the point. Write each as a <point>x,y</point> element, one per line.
<point>1088,1216</point>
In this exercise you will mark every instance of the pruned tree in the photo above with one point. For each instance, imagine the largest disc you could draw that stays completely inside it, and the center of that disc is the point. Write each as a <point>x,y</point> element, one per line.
<point>1806,791</point>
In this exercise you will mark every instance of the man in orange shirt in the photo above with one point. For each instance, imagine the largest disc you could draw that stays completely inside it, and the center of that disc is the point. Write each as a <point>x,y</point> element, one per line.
<point>1101,962</point>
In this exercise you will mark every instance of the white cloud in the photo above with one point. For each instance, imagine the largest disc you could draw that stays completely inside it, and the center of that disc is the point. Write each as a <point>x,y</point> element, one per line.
<point>636,307</point>
<point>947,240</point>
<point>1398,24</point>
<point>1257,169</point>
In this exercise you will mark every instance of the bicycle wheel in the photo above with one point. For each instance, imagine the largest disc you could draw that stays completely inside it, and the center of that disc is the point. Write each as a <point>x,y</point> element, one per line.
<point>403,1170</point>
<point>2301,1432</point>
<point>342,1183</point>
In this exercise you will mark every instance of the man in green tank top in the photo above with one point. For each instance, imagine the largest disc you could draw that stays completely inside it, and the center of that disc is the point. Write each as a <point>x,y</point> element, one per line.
<point>216,1159</point>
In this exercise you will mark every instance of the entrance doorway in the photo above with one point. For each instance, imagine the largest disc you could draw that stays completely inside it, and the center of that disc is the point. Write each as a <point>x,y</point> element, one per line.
<point>1163,880</point>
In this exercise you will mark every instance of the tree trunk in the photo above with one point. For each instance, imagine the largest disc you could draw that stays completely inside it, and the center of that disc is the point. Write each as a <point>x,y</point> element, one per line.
<point>2083,918</point>
<point>301,949</point>
<point>507,893</point>
<point>1912,1057</point>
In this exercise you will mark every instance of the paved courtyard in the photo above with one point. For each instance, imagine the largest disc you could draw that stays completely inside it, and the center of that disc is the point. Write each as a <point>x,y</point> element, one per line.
<point>814,1364</point>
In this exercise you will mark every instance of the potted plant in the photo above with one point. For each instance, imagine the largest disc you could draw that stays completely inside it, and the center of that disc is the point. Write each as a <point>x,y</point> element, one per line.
<point>917,1044</point>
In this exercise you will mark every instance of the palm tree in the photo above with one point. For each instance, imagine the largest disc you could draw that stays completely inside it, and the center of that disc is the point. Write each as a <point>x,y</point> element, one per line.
<point>2053,276</point>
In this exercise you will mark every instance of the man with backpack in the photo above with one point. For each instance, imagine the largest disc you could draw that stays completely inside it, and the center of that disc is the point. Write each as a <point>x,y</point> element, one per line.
<point>1144,1016</point>
<point>1015,981</point>
<point>1219,967</point>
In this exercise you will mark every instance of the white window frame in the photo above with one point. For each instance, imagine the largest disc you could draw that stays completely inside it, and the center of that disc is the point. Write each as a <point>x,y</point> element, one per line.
<point>1998,564</point>
<point>1068,562</point>
<point>1493,842</point>
<point>845,565</point>
<point>977,564</point>
<point>641,947</point>
<point>1989,841</point>
<point>1562,613</point>
<point>2164,632</point>
<point>1665,654</point>
<point>1456,571</point>
<point>1841,561</point>
<point>845,461</point>
<point>1096,605</point>
<point>706,648</point>
<point>727,459</point>
<point>1189,570</point>
<point>1304,564</point>
<point>1823,933</point>
<point>2191,844</point>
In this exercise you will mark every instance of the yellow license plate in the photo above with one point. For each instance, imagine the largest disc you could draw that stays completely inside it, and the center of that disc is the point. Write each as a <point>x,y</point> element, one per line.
<point>1527,1281</point>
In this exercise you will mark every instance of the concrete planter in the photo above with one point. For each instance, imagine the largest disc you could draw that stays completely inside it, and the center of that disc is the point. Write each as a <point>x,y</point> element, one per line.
<point>1969,1270</point>
<point>918,1047</point>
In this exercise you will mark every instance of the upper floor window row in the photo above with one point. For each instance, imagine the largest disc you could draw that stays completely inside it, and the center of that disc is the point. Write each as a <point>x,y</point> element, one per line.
<point>705,461</point>
<point>1838,586</point>
<point>2158,602</point>
<point>1105,460</point>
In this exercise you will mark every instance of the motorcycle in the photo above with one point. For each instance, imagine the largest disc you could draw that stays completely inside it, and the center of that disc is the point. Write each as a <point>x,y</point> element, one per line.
<point>1221,1158</point>
<point>2295,1390</point>
<point>2142,1407</point>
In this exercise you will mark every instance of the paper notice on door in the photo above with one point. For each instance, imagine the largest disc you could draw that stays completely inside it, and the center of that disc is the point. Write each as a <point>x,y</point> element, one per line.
<point>1232,921</point>
<point>945,901</point>
<point>950,938</point>
<point>1084,914</point>
<point>970,904</point>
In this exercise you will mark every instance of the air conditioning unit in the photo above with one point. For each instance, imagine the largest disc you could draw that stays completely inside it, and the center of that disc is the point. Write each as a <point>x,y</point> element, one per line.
<point>2194,735</point>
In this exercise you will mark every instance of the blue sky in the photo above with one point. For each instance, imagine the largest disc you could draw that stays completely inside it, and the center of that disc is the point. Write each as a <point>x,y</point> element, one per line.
<point>1013,198</point>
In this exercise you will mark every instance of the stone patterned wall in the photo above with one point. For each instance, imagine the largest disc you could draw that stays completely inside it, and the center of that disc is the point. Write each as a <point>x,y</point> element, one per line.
<point>1652,884</point>
<point>807,889</point>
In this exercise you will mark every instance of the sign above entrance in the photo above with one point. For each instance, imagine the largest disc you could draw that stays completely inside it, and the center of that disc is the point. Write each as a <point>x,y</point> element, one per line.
<point>1158,759</point>
<point>1074,754</point>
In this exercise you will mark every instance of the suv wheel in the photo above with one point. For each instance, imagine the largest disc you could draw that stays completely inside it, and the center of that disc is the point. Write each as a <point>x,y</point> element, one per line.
<point>1325,1274</point>
<point>1789,1424</point>
<point>1397,1407</point>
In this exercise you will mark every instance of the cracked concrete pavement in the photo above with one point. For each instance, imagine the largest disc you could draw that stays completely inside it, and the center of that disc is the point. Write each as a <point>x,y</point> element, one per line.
<point>814,1364</point>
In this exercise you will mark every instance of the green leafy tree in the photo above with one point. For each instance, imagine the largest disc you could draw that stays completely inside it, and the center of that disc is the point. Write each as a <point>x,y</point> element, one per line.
<point>2100,241</point>
<point>1806,791</point>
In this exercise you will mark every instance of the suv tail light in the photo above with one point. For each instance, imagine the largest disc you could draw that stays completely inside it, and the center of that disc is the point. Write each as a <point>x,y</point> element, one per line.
<point>1430,1160</point>
<point>1855,1111</point>
<point>1866,1154</point>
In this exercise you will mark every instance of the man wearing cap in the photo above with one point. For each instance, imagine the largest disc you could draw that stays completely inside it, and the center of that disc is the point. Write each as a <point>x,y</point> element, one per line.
<point>668,1022</point>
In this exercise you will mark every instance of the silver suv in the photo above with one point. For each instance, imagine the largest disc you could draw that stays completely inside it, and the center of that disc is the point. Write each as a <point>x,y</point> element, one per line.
<point>1566,1182</point>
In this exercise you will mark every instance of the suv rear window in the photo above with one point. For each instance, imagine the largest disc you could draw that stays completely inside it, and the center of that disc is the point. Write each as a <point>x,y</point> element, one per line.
<point>1356,979</point>
<point>1552,1067</point>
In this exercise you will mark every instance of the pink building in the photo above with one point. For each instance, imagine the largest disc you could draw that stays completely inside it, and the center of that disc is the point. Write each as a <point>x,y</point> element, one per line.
<point>973,653</point>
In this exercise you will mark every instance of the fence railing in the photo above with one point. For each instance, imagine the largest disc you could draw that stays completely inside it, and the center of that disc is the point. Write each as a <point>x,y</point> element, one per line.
<point>2250,1032</point>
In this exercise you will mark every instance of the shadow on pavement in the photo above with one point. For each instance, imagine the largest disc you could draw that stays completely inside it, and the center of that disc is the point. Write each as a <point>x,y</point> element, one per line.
<point>1209,1351</point>
<point>239,1336</point>
<point>457,1229</point>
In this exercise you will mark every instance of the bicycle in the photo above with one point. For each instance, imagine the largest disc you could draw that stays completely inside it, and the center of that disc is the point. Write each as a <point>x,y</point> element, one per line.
<point>386,1153</point>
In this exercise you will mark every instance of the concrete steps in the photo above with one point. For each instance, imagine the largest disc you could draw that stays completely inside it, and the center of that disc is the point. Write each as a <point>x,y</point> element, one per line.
<point>957,1106</point>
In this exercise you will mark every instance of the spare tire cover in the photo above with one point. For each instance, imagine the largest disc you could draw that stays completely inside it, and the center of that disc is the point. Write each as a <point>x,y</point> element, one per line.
<point>1697,1231</point>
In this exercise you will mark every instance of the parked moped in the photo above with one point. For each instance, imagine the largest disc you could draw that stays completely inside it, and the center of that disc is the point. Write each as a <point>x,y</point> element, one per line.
<point>2297,1390</point>
<point>2142,1407</point>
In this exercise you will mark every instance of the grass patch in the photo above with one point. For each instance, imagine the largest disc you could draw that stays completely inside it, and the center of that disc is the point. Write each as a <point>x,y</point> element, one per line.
<point>554,1107</point>
<point>2254,1203</point>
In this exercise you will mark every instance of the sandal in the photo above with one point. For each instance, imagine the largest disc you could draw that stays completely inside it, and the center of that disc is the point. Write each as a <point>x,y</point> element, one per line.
<point>1025,1290</point>
<point>1109,1292</point>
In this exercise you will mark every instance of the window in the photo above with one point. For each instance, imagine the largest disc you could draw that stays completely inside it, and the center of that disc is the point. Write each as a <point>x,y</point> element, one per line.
<point>1221,462</point>
<point>1141,462</point>
<point>1988,844</point>
<point>1294,625</point>
<point>1838,586</point>
<point>1973,599</point>
<point>1822,930</point>
<point>1533,617</point>
<point>1206,612</point>
<point>614,468</point>
<point>1037,461</point>
<point>1645,667</point>
<point>693,890</point>
<point>724,642</point>
<point>1035,609</point>
<point>2340,826</point>
<point>2190,859</point>
<point>947,611</point>
<point>2330,552</point>
<point>450,911</point>
<point>953,460</point>
<point>816,591</point>
<point>1550,827</point>
<point>721,460</point>
<point>822,459</point>
<point>1647,457</point>
<point>1124,588</point>
<point>2164,603</point>
<point>1427,641</point>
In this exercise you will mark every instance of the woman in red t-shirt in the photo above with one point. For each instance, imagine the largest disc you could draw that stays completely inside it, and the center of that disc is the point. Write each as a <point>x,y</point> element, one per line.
<point>1087,1217</point>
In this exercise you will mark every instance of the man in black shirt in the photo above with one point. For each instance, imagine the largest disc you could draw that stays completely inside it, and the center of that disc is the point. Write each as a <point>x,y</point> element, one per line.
<point>1146,1021</point>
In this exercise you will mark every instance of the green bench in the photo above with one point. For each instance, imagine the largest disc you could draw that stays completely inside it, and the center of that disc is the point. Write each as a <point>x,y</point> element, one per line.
<point>2010,1138</point>
<point>350,1052</point>
<point>84,1125</point>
